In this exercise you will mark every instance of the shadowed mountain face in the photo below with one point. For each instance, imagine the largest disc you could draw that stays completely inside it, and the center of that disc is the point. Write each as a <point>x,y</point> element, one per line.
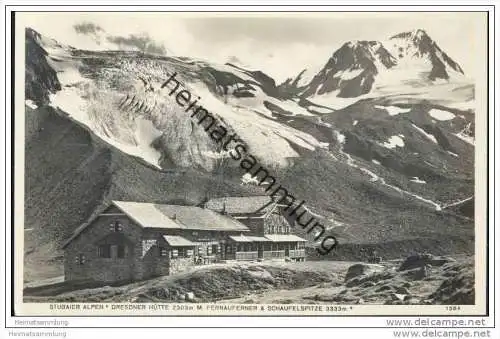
<point>41,79</point>
<point>376,170</point>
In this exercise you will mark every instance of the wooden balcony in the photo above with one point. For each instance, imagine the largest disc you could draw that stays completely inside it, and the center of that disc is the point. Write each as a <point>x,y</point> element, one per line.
<point>297,253</point>
<point>273,254</point>
<point>246,255</point>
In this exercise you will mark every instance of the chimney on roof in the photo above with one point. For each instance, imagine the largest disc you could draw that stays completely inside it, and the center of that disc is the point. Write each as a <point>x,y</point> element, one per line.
<point>223,208</point>
<point>174,217</point>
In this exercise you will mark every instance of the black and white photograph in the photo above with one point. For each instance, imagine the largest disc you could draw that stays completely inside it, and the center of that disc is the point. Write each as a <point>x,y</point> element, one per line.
<point>248,163</point>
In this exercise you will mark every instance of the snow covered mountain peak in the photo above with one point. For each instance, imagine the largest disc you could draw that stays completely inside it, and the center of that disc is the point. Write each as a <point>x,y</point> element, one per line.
<point>415,35</point>
<point>408,62</point>
<point>351,70</point>
<point>414,46</point>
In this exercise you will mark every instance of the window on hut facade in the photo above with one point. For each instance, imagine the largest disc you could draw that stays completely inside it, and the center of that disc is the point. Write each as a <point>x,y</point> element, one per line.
<point>104,251</point>
<point>163,252</point>
<point>80,259</point>
<point>116,226</point>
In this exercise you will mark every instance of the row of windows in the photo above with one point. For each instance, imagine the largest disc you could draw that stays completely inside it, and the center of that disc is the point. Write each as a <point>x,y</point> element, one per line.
<point>177,253</point>
<point>186,252</point>
<point>116,226</point>
<point>277,229</point>
<point>80,259</point>
<point>107,250</point>
<point>266,247</point>
<point>215,249</point>
<point>120,251</point>
<point>271,228</point>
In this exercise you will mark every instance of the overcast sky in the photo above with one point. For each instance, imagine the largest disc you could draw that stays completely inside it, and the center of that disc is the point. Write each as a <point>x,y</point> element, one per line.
<point>279,44</point>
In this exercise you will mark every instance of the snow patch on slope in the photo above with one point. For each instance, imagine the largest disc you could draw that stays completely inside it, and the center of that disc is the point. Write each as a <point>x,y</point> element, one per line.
<point>248,179</point>
<point>429,136</point>
<point>290,106</point>
<point>393,110</point>
<point>417,180</point>
<point>318,109</point>
<point>466,138</point>
<point>30,104</point>
<point>441,115</point>
<point>333,101</point>
<point>393,142</point>
<point>348,74</point>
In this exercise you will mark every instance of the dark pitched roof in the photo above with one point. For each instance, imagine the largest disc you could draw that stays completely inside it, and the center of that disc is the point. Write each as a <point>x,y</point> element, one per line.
<point>148,215</point>
<point>241,205</point>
